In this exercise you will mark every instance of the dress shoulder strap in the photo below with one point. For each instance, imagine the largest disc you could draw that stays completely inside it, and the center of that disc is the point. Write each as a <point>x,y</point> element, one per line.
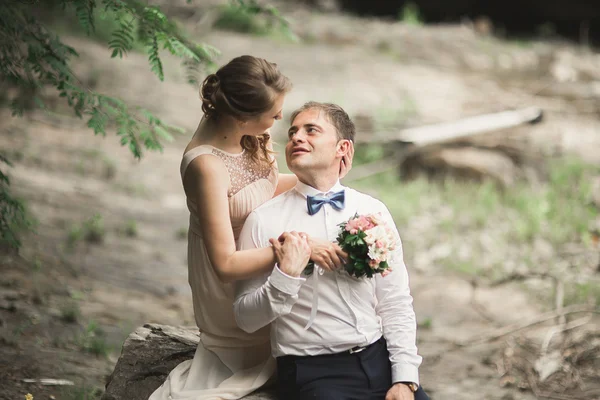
<point>191,154</point>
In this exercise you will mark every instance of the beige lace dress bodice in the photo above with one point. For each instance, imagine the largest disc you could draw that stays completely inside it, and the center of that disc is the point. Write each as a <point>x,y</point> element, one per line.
<point>250,185</point>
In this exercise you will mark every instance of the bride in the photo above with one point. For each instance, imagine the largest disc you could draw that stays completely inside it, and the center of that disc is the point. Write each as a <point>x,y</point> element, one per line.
<point>228,170</point>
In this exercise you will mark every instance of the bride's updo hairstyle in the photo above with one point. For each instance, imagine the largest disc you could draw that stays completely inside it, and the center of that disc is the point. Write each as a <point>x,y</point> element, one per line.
<point>245,88</point>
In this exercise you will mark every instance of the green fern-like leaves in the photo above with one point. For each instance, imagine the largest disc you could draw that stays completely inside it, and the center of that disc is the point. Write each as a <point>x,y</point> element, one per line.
<point>32,57</point>
<point>122,39</point>
<point>154,58</point>
<point>248,16</point>
<point>13,217</point>
<point>98,120</point>
<point>84,10</point>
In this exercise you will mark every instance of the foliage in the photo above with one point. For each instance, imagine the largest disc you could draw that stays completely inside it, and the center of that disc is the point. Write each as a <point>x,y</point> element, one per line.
<point>13,216</point>
<point>93,340</point>
<point>65,22</point>
<point>92,231</point>
<point>181,233</point>
<point>478,229</point>
<point>251,17</point>
<point>70,312</point>
<point>410,14</point>
<point>368,152</point>
<point>130,228</point>
<point>558,211</point>
<point>80,393</point>
<point>32,57</point>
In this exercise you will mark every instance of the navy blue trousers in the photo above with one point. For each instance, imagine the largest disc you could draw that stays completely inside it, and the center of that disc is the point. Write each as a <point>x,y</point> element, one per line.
<point>366,375</point>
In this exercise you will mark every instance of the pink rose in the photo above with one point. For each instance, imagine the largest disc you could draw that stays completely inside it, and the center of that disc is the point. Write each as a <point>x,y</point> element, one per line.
<point>353,231</point>
<point>373,264</point>
<point>379,244</point>
<point>386,272</point>
<point>364,223</point>
<point>352,225</point>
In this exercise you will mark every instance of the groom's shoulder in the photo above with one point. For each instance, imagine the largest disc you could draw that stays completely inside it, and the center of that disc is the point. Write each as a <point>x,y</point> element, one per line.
<point>361,196</point>
<point>365,199</point>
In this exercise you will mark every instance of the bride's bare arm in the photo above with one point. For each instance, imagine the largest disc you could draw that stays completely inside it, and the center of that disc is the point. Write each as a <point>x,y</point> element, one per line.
<point>206,182</point>
<point>285,182</point>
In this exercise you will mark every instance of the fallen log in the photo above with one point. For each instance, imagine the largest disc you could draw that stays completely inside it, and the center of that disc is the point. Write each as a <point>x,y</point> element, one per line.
<point>464,162</point>
<point>459,129</point>
<point>428,143</point>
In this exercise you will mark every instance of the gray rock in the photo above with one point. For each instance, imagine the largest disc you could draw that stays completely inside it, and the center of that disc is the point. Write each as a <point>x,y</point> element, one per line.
<point>147,357</point>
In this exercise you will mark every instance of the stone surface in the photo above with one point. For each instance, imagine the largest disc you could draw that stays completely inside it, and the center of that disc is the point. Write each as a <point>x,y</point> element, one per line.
<point>147,357</point>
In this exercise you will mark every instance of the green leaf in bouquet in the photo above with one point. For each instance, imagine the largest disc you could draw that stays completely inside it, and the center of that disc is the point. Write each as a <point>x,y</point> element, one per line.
<point>310,268</point>
<point>349,267</point>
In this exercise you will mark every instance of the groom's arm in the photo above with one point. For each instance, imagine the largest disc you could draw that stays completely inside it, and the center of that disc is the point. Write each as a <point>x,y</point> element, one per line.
<point>260,301</point>
<point>397,314</point>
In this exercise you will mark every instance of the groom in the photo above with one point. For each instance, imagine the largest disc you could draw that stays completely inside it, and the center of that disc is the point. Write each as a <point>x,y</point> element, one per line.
<point>335,337</point>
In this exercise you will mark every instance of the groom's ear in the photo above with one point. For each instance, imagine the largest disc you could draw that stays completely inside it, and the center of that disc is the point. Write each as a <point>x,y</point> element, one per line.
<point>343,146</point>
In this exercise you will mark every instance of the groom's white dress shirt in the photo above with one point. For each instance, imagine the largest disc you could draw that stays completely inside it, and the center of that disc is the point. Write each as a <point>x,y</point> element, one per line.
<point>351,312</point>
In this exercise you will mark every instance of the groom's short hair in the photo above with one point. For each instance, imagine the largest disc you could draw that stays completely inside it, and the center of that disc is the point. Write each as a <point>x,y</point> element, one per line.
<point>335,115</point>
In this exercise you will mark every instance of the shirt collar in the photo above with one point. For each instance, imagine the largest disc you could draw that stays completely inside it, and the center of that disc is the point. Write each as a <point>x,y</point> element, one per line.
<point>306,190</point>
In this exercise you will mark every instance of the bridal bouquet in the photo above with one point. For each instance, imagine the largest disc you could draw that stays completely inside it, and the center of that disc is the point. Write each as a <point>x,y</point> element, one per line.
<point>368,241</point>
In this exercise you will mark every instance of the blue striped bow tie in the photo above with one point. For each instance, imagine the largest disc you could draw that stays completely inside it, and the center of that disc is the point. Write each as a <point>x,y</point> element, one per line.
<point>336,200</point>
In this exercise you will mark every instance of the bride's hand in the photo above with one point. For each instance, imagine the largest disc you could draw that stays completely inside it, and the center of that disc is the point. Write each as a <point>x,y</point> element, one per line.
<point>346,164</point>
<point>324,253</point>
<point>292,252</point>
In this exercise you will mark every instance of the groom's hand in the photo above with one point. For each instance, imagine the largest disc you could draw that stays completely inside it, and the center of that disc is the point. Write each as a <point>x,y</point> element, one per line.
<point>293,254</point>
<point>326,254</point>
<point>400,391</point>
<point>346,163</point>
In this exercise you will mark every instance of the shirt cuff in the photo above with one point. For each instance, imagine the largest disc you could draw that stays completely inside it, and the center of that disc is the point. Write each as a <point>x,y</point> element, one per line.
<point>284,282</point>
<point>405,373</point>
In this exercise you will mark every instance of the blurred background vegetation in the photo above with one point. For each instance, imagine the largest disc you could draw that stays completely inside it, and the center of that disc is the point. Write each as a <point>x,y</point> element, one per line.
<point>497,228</point>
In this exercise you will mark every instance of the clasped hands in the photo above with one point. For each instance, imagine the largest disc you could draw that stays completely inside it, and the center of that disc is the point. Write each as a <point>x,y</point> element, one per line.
<point>294,249</point>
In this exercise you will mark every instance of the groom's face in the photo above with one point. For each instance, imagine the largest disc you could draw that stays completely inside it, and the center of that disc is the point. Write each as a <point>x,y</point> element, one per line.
<point>312,143</point>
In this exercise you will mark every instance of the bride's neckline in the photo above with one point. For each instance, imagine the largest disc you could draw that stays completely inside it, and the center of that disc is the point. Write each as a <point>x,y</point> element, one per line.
<point>219,150</point>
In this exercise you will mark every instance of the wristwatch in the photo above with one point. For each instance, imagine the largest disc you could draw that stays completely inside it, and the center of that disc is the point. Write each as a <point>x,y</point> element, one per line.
<point>411,385</point>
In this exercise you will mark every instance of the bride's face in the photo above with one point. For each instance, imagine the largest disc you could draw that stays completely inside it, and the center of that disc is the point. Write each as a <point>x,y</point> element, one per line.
<point>265,121</point>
